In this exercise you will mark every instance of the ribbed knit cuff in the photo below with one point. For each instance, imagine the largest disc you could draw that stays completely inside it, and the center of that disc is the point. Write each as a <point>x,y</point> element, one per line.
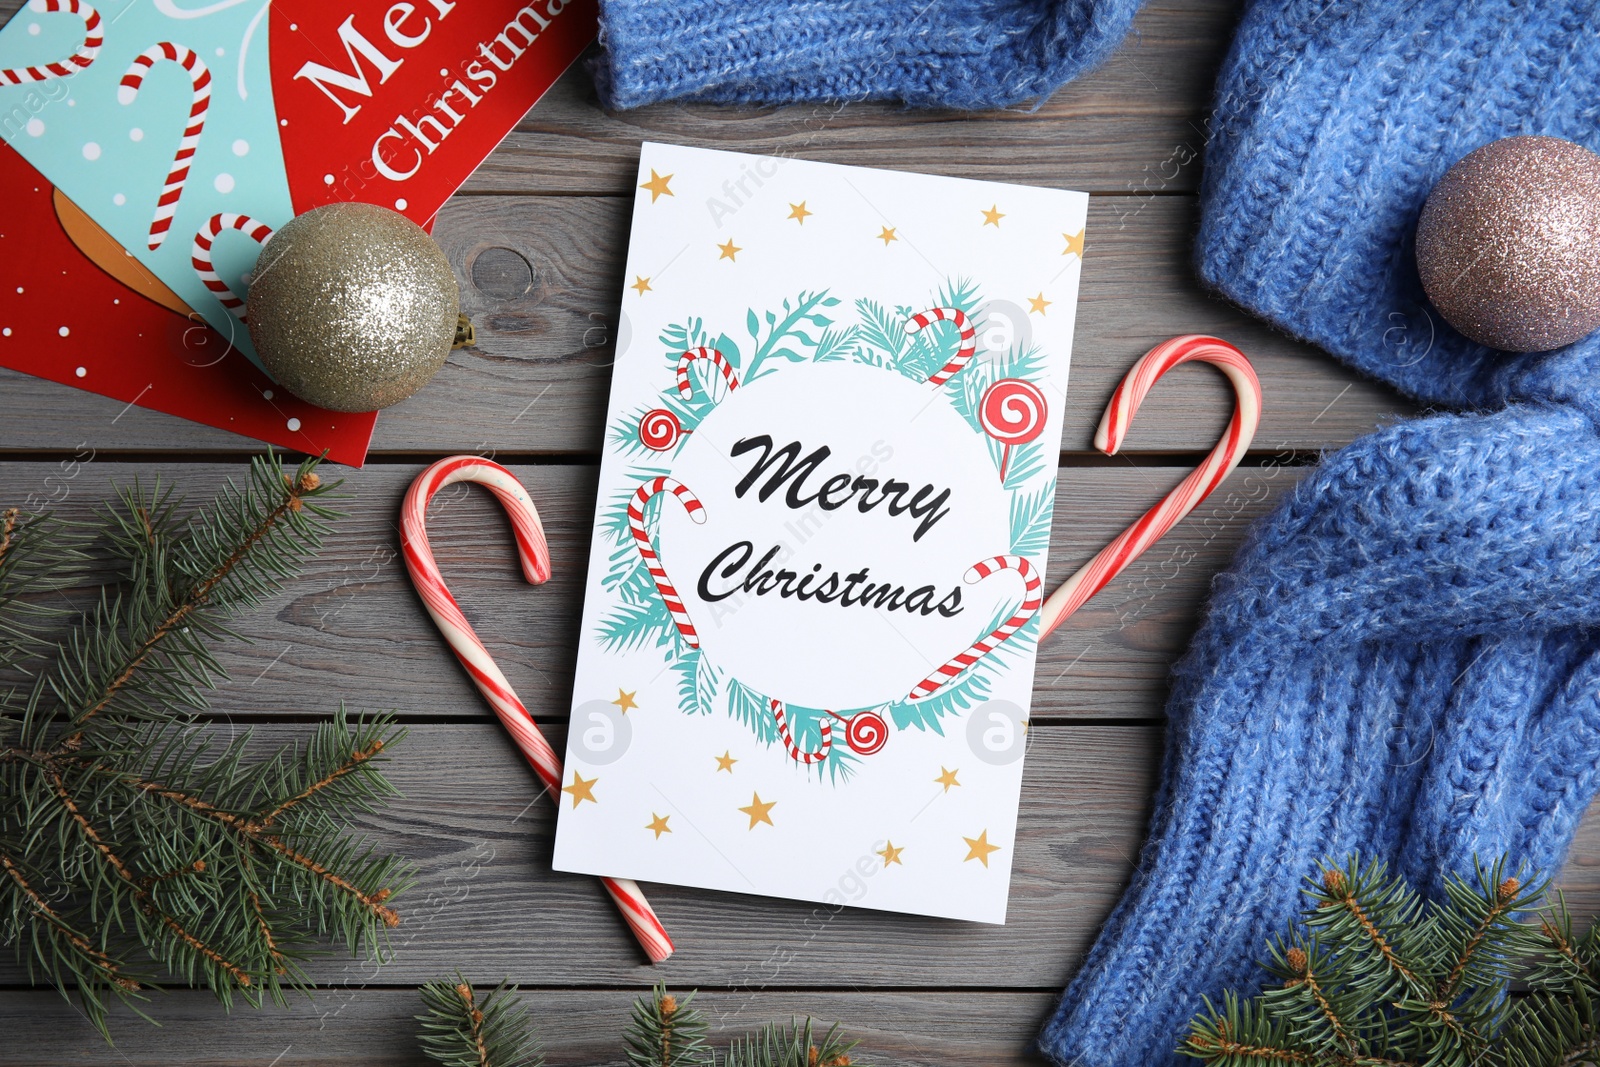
<point>950,53</point>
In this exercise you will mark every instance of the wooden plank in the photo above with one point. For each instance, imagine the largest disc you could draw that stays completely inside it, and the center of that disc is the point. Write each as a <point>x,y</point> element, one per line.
<point>1134,127</point>
<point>474,820</point>
<point>541,278</point>
<point>352,629</point>
<point>582,1028</point>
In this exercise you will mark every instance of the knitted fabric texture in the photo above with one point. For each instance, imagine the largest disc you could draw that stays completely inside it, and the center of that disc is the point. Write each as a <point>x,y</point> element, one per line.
<point>1404,658</point>
<point>928,53</point>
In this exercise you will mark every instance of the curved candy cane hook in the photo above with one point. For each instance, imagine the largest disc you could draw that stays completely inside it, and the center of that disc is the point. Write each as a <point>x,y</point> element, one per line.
<point>205,268</point>
<point>200,82</point>
<point>93,37</point>
<point>796,753</point>
<point>1031,583</point>
<point>964,328</point>
<point>464,642</point>
<point>715,357</point>
<point>1132,542</point>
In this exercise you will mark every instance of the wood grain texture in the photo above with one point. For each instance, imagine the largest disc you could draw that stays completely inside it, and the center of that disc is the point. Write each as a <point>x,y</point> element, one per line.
<point>541,278</point>
<point>580,1028</point>
<point>352,629</point>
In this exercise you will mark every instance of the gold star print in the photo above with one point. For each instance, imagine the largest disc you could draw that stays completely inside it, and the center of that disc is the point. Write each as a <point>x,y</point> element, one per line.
<point>798,212</point>
<point>760,812</point>
<point>657,185</point>
<point>1039,303</point>
<point>890,854</point>
<point>658,823</point>
<point>948,778</point>
<point>993,216</point>
<point>887,235</point>
<point>625,700</point>
<point>581,789</point>
<point>725,762</point>
<point>1074,244</point>
<point>641,284</point>
<point>978,848</point>
<point>730,250</point>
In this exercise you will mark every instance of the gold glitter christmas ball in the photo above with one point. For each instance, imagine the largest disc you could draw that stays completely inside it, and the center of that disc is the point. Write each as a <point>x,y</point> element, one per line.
<point>1508,244</point>
<point>352,307</point>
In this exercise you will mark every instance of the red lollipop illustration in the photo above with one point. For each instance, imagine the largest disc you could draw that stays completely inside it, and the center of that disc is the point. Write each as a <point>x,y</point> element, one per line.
<point>865,731</point>
<point>659,430</point>
<point>1013,412</point>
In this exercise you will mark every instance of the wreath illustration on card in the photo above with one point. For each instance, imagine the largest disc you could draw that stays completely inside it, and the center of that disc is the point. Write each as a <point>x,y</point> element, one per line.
<point>905,369</point>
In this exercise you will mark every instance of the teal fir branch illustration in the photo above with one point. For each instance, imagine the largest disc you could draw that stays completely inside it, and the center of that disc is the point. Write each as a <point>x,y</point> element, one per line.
<point>705,369</point>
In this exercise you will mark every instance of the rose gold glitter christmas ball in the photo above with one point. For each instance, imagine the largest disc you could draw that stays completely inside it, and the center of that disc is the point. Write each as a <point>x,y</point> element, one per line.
<point>1508,244</point>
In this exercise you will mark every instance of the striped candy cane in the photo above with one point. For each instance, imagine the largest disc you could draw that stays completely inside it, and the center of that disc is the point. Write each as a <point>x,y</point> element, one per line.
<point>994,638</point>
<point>200,254</point>
<point>1132,542</point>
<point>93,38</point>
<point>796,753</point>
<point>969,333</point>
<point>200,78</point>
<point>464,642</point>
<point>641,536</point>
<point>718,360</point>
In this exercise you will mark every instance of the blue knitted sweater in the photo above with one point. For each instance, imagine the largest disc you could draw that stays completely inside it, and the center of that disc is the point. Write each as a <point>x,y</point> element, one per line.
<point>1404,659</point>
<point>948,53</point>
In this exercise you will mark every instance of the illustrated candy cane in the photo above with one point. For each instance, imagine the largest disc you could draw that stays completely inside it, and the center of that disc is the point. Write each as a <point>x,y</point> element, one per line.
<point>458,633</point>
<point>200,78</point>
<point>1031,599</point>
<point>796,753</point>
<point>718,360</point>
<point>93,38</point>
<point>1149,528</point>
<point>969,333</point>
<point>697,512</point>
<point>200,254</point>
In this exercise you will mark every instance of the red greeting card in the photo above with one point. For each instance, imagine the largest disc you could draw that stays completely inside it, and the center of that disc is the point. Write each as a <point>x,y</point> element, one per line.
<point>154,146</point>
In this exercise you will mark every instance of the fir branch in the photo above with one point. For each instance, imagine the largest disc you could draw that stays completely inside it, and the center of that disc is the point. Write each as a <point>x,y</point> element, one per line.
<point>257,831</point>
<point>460,1030</point>
<point>667,1032</point>
<point>794,1045</point>
<point>1343,895</point>
<point>1386,979</point>
<point>102,965</point>
<point>210,533</point>
<point>222,870</point>
<point>38,555</point>
<point>1299,962</point>
<point>147,902</point>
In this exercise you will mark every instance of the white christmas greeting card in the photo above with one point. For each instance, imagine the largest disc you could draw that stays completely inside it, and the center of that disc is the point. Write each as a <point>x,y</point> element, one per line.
<point>808,638</point>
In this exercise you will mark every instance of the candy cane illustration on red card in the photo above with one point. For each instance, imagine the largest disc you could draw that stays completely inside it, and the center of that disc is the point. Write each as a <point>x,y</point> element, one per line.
<point>817,580</point>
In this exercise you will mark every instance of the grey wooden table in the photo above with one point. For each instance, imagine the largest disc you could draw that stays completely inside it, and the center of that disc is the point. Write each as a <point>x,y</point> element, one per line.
<point>537,240</point>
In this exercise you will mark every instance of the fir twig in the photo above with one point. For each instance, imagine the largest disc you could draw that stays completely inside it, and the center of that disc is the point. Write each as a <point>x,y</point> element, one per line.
<point>461,1030</point>
<point>123,834</point>
<point>1379,977</point>
<point>667,1032</point>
